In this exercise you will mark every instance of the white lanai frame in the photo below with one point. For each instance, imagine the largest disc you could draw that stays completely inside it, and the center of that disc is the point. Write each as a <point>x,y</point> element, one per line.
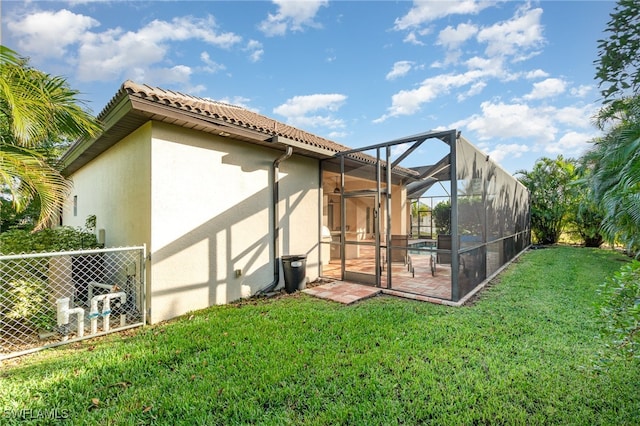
<point>468,253</point>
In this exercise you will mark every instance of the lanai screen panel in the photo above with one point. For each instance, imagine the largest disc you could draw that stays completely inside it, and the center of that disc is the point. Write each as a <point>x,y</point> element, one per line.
<point>374,197</point>
<point>493,216</point>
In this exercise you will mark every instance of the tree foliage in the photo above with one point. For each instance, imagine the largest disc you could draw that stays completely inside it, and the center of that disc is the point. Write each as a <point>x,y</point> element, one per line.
<point>551,183</point>
<point>418,208</point>
<point>37,111</point>
<point>587,218</point>
<point>442,217</point>
<point>615,159</point>
<point>619,308</point>
<point>586,213</point>
<point>617,67</point>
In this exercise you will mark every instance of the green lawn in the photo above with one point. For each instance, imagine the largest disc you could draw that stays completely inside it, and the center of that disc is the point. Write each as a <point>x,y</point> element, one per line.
<point>521,354</point>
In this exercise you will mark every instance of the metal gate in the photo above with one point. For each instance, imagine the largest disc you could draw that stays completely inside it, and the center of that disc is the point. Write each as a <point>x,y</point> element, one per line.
<point>48,299</point>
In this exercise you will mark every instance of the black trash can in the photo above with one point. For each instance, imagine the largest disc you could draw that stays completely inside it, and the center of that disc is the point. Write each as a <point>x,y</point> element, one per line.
<point>295,271</point>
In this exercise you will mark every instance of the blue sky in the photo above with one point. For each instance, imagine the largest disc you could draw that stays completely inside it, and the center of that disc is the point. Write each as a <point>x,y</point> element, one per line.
<point>517,78</point>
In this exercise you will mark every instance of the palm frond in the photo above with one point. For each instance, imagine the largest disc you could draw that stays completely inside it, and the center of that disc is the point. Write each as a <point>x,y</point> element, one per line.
<point>26,175</point>
<point>37,106</point>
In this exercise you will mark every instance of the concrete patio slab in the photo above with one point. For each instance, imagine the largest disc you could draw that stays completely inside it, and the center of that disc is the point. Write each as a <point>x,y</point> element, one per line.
<point>342,292</point>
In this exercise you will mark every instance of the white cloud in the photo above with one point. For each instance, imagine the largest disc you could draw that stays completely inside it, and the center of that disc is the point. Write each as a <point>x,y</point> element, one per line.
<point>515,39</point>
<point>49,34</point>
<point>581,91</point>
<point>571,144</point>
<point>536,74</point>
<point>549,128</point>
<point>163,75</point>
<point>504,121</point>
<point>256,55</point>
<point>300,110</point>
<point>115,54</point>
<point>520,36</point>
<point>475,89</point>
<point>510,40</point>
<point>411,38</point>
<point>452,38</point>
<point>452,57</point>
<point>300,105</point>
<point>194,90</point>
<point>187,28</point>
<point>81,2</point>
<point>513,150</point>
<point>546,89</point>
<point>408,102</point>
<point>424,12</point>
<point>255,50</point>
<point>292,16</point>
<point>240,101</point>
<point>310,121</point>
<point>400,69</point>
<point>575,116</point>
<point>489,66</point>
<point>211,66</point>
<point>337,135</point>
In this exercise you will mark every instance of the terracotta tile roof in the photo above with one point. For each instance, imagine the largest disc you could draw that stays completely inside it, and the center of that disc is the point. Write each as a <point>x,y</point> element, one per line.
<point>231,114</point>
<point>153,103</point>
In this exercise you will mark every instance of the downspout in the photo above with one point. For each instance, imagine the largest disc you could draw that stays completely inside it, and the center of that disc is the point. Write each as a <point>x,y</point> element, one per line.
<point>276,220</point>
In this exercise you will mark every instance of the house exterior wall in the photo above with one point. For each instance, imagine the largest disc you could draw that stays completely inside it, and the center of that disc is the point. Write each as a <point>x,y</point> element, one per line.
<point>203,206</point>
<point>211,215</point>
<point>115,188</point>
<point>400,211</point>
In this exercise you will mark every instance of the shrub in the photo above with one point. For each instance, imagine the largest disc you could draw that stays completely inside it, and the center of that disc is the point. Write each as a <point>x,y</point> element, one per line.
<point>619,308</point>
<point>23,289</point>
<point>26,306</point>
<point>57,239</point>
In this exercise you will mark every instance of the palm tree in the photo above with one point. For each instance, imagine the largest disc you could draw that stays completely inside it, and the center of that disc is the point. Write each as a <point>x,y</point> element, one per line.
<point>552,195</point>
<point>36,110</point>
<point>616,172</point>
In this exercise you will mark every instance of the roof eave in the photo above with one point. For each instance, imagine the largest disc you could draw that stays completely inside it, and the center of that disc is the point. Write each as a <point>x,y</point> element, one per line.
<point>191,119</point>
<point>304,148</point>
<point>127,112</point>
<point>86,149</point>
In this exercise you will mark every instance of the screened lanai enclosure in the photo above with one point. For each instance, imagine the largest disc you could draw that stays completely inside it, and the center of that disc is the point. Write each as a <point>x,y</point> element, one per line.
<point>427,215</point>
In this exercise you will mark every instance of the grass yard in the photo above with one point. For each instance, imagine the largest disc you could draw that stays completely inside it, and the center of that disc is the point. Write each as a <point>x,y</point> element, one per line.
<point>521,354</point>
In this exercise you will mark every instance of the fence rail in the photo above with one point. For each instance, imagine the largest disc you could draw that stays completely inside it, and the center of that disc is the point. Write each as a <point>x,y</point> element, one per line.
<point>48,299</point>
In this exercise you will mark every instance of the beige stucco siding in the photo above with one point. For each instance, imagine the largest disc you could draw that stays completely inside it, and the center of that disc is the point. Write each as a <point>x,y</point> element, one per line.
<point>300,210</point>
<point>211,215</point>
<point>400,211</point>
<point>115,188</point>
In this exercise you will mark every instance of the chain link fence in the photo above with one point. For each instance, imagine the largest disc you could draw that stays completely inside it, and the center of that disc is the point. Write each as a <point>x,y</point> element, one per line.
<point>47,299</point>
